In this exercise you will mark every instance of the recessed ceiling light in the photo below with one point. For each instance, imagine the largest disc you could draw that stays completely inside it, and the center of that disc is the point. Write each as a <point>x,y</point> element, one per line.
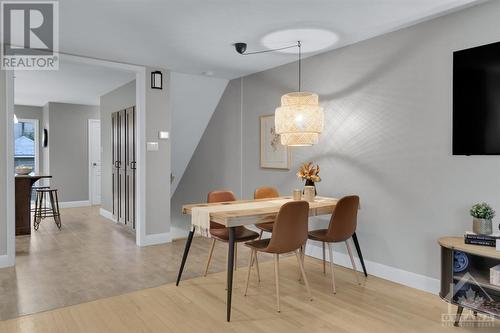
<point>208,73</point>
<point>312,39</point>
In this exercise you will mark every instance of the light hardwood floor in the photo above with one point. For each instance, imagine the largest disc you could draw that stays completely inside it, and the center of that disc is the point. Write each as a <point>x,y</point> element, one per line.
<point>198,305</point>
<point>92,258</point>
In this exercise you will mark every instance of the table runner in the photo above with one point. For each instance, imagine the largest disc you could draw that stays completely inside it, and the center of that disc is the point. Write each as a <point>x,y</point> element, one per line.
<point>200,216</point>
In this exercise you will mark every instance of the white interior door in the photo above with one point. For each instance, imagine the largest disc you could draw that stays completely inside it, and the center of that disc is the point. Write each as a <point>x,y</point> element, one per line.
<point>95,161</point>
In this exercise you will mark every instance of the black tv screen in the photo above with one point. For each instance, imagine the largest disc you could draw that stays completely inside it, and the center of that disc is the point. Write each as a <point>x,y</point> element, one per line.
<point>476,101</point>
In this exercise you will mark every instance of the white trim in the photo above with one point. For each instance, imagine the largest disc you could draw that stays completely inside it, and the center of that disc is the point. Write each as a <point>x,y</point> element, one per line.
<point>10,190</point>
<point>37,140</point>
<point>393,274</point>
<point>155,239</point>
<point>5,261</point>
<point>140,189</point>
<point>89,162</point>
<point>73,204</point>
<point>107,215</point>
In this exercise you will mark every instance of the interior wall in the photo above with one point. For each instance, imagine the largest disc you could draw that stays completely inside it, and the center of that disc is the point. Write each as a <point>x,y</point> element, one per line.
<point>116,100</point>
<point>33,112</point>
<point>387,138</point>
<point>216,162</point>
<point>158,163</point>
<point>3,166</point>
<point>68,142</point>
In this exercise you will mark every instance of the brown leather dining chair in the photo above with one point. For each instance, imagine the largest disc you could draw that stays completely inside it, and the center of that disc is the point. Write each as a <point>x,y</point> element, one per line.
<point>342,226</point>
<point>265,193</point>
<point>289,235</point>
<point>220,233</point>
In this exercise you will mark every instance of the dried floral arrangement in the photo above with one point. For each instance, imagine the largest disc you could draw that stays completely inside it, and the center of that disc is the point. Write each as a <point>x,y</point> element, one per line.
<point>308,171</point>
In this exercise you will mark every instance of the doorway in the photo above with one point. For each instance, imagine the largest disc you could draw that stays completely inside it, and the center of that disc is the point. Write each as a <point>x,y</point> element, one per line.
<point>94,138</point>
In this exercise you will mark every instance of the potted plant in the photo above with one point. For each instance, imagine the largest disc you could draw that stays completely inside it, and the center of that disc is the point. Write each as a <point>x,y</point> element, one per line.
<point>310,174</point>
<point>482,215</point>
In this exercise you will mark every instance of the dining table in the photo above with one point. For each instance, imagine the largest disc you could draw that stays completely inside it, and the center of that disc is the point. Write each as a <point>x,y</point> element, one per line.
<point>237,213</point>
<point>23,188</point>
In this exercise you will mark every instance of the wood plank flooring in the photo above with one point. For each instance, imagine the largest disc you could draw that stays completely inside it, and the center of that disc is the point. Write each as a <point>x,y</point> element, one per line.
<point>198,305</point>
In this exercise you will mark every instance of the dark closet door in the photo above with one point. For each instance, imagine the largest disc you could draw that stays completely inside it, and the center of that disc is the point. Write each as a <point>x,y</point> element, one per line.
<point>130,167</point>
<point>115,182</point>
<point>122,125</point>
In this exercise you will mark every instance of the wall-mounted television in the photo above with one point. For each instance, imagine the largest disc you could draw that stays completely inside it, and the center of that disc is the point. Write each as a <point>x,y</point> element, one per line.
<point>476,100</point>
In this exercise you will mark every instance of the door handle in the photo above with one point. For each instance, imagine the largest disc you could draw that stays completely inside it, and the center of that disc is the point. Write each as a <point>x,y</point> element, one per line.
<point>132,165</point>
<point>94,164</point>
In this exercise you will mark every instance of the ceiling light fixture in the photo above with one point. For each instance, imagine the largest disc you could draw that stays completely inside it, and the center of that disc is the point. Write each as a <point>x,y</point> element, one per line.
<point>299,120</point>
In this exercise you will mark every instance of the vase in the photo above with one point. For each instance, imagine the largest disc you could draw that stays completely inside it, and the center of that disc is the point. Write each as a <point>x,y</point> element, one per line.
<point>482,226</point>
<point>311,183</point>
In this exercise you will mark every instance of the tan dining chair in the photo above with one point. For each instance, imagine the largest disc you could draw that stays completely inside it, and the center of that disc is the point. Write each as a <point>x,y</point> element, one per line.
<point>342,226</point>
<point>265,193</point>
<point>220,233</point>
<point>289,235</point>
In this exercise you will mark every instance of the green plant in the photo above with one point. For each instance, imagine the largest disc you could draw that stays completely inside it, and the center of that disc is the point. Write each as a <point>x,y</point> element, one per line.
<point>482,211</point>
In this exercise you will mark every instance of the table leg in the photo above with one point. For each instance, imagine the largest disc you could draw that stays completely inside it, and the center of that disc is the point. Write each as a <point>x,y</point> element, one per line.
<point>230,266</point>
<point>360,255</point>
<point>184,256</point>
<point>459,314</point>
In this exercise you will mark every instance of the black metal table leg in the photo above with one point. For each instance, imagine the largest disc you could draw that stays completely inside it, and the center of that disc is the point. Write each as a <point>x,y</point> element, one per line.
<point>184,256</point>
<point>230,267</point>
<point>360,255</point>
<point>459,314</point>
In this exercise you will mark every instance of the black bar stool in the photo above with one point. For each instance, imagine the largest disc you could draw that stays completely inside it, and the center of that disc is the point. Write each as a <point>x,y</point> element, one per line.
<point>41,209</point>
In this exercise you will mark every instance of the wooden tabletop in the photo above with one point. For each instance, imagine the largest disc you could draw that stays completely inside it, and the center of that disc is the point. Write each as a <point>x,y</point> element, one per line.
<point>321,206</point>
<point>458,243</point>
<point>33,176</point>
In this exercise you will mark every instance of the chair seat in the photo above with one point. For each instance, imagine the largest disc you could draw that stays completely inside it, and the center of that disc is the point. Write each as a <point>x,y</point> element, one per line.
<point>241,234</point>
<point>259,245</point>
<point>322,236</point>
<point>265,226</point>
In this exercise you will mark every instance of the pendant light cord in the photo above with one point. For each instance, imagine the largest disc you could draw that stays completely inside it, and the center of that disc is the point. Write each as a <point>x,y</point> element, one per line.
<point>300,63</point>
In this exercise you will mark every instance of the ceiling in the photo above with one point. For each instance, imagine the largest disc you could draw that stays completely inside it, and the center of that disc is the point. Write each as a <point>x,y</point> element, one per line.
<point>195,36</point>
<point>75,83</point>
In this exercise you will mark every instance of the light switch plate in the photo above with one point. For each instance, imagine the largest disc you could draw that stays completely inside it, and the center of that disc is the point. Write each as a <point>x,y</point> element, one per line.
<point>163,135</point>
<point>152,146</point>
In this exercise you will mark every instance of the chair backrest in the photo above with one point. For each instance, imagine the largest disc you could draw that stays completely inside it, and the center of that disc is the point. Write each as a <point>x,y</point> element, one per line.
<point>265,192</point>
<point>344,219</point>
<point>219,196</point>
<point>290,227</point>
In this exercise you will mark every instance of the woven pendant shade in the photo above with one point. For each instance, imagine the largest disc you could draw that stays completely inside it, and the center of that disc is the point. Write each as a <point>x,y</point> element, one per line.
<point>299,119</point>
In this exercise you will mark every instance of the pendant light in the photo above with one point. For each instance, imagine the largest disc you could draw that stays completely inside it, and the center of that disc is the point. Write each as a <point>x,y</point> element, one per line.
<point>299,120</point>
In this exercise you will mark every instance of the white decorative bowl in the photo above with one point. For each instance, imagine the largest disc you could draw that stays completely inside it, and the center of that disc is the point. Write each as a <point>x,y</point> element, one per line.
<point>23,170</point>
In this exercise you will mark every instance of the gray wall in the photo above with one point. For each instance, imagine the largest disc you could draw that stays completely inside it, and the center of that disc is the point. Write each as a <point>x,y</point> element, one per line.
<point>68,143</point>
<point>116,100</point>
<point>158,166</point>
<point>216,162</point>
<point>3,167</point>
<point>33,112</point>
<point>387,137</point>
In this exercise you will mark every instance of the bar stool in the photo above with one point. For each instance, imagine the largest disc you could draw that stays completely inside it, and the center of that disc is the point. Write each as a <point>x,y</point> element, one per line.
<point>41,209</point>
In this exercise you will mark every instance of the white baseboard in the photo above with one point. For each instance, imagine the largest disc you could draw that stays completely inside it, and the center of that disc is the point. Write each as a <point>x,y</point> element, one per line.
<point>73,204</point>
<point>5,261</point>
<point>107,214</point>
<point>393,274</point>
<point>156,239</point>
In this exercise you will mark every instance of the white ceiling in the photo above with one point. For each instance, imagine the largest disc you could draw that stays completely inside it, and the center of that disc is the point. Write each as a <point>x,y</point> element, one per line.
<point>75,83</point>
<point>195,36</point>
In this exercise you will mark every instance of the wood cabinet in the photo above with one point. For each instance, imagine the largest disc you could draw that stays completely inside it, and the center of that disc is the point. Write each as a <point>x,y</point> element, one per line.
<point>124,166</point>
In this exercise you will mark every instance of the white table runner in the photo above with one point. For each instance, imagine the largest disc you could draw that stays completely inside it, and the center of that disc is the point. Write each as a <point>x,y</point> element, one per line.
<point>200,216</point>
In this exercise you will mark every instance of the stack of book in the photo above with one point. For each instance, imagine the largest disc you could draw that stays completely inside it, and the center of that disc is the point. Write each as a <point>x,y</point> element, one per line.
<point>485,240</point>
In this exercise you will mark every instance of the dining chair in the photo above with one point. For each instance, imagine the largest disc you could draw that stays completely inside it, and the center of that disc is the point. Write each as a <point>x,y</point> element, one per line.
<point>289,234</point>
<point>342,226</point>
<point>264,193</point>
<point>220,233</point>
